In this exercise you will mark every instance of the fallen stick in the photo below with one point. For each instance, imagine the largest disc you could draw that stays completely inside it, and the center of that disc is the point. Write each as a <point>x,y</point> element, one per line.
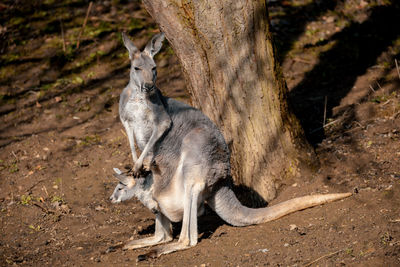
<point>62,36</point>
<point>397,67</point>
<point>84,24</point>
<point>47,211</point>
<point>326,102</point>
<point>326,125</point>
<point>322,257</point>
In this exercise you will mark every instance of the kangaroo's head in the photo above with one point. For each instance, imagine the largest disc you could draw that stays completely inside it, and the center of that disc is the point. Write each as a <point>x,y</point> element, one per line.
<point>126,188</point>
<point>143,73</point>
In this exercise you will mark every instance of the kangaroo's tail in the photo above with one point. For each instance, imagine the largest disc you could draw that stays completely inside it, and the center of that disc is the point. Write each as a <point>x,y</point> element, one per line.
<point>228,207</point>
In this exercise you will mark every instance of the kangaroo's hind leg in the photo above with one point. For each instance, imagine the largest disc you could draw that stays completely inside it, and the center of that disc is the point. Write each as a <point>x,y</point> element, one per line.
<point>189,232</point>
<point>163,234</point>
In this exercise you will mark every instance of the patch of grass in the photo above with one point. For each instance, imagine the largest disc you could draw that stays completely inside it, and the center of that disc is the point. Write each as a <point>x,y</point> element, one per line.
<point>116,152</point>
<point>58,180</point>
<point>6,71</point>
<point>39,14</point>
<point>386,238</point>
<point>90,75</point>
<point>378,99</point>
<point>90,140</point>
<point>311,32</point>
<point>57,199</point>
<point>85,108</point>
<point>98,30</point>
<point>77,80</point>
<point>90,58</point>
<point>349,251</point>
<point>9,58</point>
<point>26,200</point>
<point>13,167</point>
<point>16,21</point>
<point>36,229</point>
<point>135,24</point>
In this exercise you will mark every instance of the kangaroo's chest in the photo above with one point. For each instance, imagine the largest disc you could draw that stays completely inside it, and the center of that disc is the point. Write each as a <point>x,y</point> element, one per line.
<point>139,115</point>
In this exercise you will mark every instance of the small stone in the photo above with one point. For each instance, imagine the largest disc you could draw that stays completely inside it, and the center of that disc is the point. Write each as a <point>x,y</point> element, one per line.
<point>99,208</point>
<point>292,227</point>
<point>286,245</point>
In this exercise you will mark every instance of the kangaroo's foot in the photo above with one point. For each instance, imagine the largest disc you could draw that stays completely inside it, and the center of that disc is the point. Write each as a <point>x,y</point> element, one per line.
<point>165,249</point>
<point>147,242</point>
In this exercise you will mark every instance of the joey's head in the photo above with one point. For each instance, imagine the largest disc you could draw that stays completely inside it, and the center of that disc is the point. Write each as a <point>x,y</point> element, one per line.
<point>126,188</point>
<point>122,193</point>
<point>143,73</point>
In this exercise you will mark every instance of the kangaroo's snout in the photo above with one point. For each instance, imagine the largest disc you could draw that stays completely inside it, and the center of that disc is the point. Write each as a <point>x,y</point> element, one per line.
<point>147,87</point>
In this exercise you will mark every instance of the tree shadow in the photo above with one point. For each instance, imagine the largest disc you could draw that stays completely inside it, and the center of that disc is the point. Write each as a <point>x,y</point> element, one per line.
<point>288,22</point>
<point>356,48</point>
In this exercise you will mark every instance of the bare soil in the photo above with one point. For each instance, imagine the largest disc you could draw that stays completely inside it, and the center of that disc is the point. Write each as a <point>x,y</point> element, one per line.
<point>60,137</point>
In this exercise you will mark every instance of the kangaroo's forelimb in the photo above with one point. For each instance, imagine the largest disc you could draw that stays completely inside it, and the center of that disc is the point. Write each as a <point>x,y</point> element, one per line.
<point>158,131</point>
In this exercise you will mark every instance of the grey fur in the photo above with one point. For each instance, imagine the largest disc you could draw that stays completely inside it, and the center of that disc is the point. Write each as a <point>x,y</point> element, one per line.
<point>141,109</point>
<point>142,190</point>
<point>190,165</point>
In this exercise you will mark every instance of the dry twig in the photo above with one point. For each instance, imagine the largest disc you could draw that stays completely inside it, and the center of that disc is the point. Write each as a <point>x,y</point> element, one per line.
<point>47,211</point>
<point>397,67</point>
<point>323,257</point>
<point>62,36</point>
<point>326,102</point>
<point>124,133</point>
<point>84,24</point>
<point>372,88</point>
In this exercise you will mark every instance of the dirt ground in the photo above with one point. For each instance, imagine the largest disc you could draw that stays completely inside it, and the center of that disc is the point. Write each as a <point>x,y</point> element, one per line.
<point>60,137</point>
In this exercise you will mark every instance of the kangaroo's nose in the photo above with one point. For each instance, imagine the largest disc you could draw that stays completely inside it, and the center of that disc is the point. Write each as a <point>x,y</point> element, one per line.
<point>148,86</point>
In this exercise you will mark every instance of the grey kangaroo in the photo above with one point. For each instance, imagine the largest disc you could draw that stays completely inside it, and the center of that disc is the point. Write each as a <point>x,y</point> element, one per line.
<point>188,161</point>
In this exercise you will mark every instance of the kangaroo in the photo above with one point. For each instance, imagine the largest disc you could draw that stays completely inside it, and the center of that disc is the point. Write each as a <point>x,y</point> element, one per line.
<point>190,166</point>
<point>141,107</point>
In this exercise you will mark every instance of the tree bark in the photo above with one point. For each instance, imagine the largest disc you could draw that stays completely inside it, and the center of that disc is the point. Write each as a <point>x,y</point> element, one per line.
<point>227,56</point>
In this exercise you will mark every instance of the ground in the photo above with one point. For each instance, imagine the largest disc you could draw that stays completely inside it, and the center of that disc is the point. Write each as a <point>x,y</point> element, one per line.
<point>60,137</point>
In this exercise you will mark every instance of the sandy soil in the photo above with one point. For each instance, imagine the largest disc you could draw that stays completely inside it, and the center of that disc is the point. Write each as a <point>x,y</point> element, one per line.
<point>60,137</point>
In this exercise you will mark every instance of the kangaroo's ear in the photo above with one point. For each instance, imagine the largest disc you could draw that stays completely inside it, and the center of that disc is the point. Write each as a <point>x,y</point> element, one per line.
<point>129,45</point>
<point>155,44</point>
<point>123,179</point>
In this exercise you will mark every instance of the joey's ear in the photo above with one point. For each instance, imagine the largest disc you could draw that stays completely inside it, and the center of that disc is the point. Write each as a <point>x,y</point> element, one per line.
<point>155,44</point>
<point>129,45</point>
<point>123,179</point>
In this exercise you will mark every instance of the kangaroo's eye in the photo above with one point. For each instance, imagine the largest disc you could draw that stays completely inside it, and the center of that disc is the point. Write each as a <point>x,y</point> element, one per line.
<point>136,68</point>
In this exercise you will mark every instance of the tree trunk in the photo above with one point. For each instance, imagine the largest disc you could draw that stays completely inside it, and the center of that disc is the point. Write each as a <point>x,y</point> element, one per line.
<point>228,60</point>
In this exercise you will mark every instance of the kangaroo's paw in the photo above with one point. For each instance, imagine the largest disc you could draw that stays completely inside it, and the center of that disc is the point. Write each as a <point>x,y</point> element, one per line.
<point>138,169</point>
